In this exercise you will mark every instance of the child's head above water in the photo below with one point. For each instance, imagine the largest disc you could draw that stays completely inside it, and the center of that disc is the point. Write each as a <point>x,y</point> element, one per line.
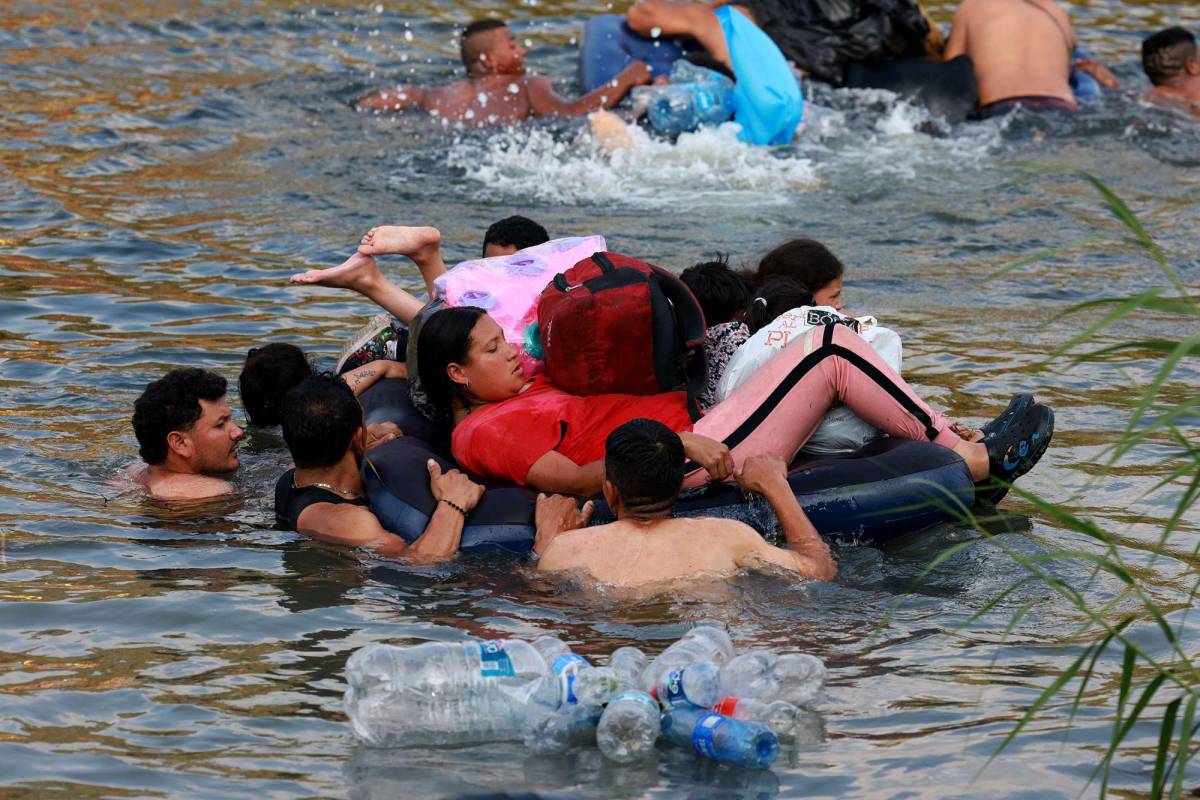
<point>512,234</point>
<point>1168,54</point>
<point>773,298</point>
<point>808,263</point>
<point>721,292</point>
<point>269,372</point>
<point>488,47</point>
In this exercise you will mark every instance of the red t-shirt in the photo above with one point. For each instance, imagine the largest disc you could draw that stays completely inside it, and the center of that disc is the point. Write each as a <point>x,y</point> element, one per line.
<point>506,438</point>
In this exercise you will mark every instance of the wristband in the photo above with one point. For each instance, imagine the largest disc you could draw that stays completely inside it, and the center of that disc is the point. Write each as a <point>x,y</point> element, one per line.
<point>455,506</point>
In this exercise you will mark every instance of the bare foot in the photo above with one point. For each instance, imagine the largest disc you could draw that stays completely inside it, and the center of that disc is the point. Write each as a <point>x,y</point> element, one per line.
<point>357,272</point>
<point>400,240</point>
<point>610,131</point>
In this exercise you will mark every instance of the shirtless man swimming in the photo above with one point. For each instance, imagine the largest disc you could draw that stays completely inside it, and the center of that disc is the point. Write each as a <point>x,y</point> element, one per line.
<point>1172,63</point>
<point>644,464</point>
<point>186,436</point>
<point>497,90</point>
<point>1022,51</point>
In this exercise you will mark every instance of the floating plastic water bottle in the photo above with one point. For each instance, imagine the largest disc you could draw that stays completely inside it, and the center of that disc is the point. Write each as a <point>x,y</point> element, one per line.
<point>550,648</point>
<point>629,727</point>
<point>679,107</point>
<point>555,731</point>
<point>748,744</point>
<point>629,663</point>
<point>702,643</point>
<point>442,693</point>
<point>697,684</point>
<point>594,686</point>
<point>762,675</point>
<point>780,716</point>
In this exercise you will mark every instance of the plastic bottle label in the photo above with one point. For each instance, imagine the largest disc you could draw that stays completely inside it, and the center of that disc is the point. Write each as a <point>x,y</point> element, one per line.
<point>704,100</point>
<point>494,661</point>
<point>675,694</point>
<point>565,667</point>
<point>726,706</point>
<point>639,697</point>
<point>702,734</point>
<point>567,661</point>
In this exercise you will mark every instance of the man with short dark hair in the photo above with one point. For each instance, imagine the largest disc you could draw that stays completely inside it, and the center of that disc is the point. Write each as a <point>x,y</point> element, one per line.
<point>1172,64</point>
<point>644,467</point>
<point>507,236</point>
<point>186,435</point>
<point>324,496</point>
<point>497,90</point>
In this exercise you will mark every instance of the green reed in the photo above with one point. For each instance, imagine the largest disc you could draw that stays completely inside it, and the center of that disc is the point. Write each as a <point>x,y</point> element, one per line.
<point>1154,689</point>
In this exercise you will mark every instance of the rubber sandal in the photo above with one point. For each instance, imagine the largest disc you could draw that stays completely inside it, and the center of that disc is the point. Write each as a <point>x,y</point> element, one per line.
<point>1015,441</point>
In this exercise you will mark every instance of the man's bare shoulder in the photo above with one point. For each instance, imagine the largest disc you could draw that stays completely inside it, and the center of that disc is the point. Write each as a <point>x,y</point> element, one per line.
<point>330,520</point>
<point>182,486</point>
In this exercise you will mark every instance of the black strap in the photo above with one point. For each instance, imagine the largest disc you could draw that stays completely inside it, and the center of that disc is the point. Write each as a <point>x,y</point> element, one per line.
<point>826,350</point>
<point>602,261</point>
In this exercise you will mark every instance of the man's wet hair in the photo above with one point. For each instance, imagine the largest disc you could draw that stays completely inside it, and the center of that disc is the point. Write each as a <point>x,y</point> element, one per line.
<point>320,417</point>
<point>269,372</point>
<point>515,231</point>
<point>805,261</point>
<point>471,45</point>
<point>1165,53</point>
<point>644,460</point>
<point>172,403</point>
<point>721,292</point>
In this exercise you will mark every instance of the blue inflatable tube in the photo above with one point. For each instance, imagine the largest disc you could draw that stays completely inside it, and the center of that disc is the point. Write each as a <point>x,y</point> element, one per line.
<point>609,45</point>
<point>890,488</point>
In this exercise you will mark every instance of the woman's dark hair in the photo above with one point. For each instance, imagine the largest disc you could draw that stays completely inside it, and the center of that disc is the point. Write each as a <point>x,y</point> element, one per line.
<point>805,261</point>
<point>721,292</point>
<point>445,339</point>
<point>269,372</point>
<point>644,460</point>
<point>320,417</point>
<point>172,403</point>
<point>772,299</point>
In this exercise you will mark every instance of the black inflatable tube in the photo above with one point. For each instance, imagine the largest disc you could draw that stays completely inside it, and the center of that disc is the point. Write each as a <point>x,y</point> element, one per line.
<point>888,489</point>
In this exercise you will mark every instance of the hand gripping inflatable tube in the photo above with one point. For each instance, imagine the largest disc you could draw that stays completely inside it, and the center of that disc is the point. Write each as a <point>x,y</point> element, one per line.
<point>889,488</point>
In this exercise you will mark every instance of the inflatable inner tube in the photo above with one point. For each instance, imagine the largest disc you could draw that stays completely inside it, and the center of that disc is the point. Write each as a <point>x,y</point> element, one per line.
<point>887,489</point>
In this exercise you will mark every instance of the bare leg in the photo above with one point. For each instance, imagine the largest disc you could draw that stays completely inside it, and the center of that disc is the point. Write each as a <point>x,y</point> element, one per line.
<point>422,245</point>
<point>679,19</point>
<point>359,273</point>
<point>610,131</point>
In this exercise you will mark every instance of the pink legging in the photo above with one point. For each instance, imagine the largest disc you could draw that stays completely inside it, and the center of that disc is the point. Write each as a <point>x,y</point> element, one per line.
<point>779,407</point>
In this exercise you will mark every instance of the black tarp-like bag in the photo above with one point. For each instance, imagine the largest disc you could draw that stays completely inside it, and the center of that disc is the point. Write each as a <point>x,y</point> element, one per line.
<point>823,36</point>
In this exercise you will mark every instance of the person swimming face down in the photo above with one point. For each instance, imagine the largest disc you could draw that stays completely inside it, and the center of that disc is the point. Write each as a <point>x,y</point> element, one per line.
<point>465,361</point>
<point>488,47</point>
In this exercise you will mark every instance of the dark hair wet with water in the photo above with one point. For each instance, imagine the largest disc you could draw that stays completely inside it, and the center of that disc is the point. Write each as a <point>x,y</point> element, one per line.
<point>471,44</point>
<point>805,261</point>
<point>267,375</point>
<point>721,292</point>
<point>1165,54</point>
<point>515,231</point>
<point>644,460</point>
<point>172,403</point>
<point>320,417</point>
<point>772,299</point>
<point>445,339</point>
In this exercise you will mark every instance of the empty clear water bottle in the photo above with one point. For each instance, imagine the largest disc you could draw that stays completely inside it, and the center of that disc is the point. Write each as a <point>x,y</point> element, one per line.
<point>705,642</point>
<point>441,693</point>
<point>550,648</point>
<point>551,731</point>
<point>697,684</point>
<point>760,674</point>
<point>747,744</point>
<point>678,107</point>
<point>629,727</point>
<point>780,716</point>
<point>629,663</point>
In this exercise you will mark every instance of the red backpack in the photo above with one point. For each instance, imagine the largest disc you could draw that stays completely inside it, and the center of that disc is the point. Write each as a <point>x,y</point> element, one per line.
<point>613,324</point>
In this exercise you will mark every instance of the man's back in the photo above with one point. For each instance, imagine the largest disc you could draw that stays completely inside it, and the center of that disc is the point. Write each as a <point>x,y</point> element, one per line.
<point>1020,48</point>
<point>491,100</point>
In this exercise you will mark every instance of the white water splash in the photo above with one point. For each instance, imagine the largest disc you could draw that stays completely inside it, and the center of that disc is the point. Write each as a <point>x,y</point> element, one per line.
<point>533,164</point>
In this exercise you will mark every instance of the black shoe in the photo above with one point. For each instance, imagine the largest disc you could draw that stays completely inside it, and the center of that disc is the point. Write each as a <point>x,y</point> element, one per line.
<point>1015,441</point>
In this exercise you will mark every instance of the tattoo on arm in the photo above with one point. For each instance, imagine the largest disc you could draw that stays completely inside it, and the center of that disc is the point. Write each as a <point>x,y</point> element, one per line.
<point>362,376</point>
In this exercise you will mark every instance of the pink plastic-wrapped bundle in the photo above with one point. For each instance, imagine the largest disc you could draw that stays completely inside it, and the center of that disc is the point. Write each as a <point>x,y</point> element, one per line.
<point>508,287</point>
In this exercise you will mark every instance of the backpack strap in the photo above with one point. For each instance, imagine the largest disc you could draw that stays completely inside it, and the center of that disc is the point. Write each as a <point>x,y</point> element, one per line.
<point>690,330</point>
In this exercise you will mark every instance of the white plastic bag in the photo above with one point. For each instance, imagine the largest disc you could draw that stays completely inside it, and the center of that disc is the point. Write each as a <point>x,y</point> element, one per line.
<point>841,431</point>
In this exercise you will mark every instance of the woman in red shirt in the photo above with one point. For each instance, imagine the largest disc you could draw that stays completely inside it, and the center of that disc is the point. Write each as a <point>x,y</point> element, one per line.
<point>534,434</point>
